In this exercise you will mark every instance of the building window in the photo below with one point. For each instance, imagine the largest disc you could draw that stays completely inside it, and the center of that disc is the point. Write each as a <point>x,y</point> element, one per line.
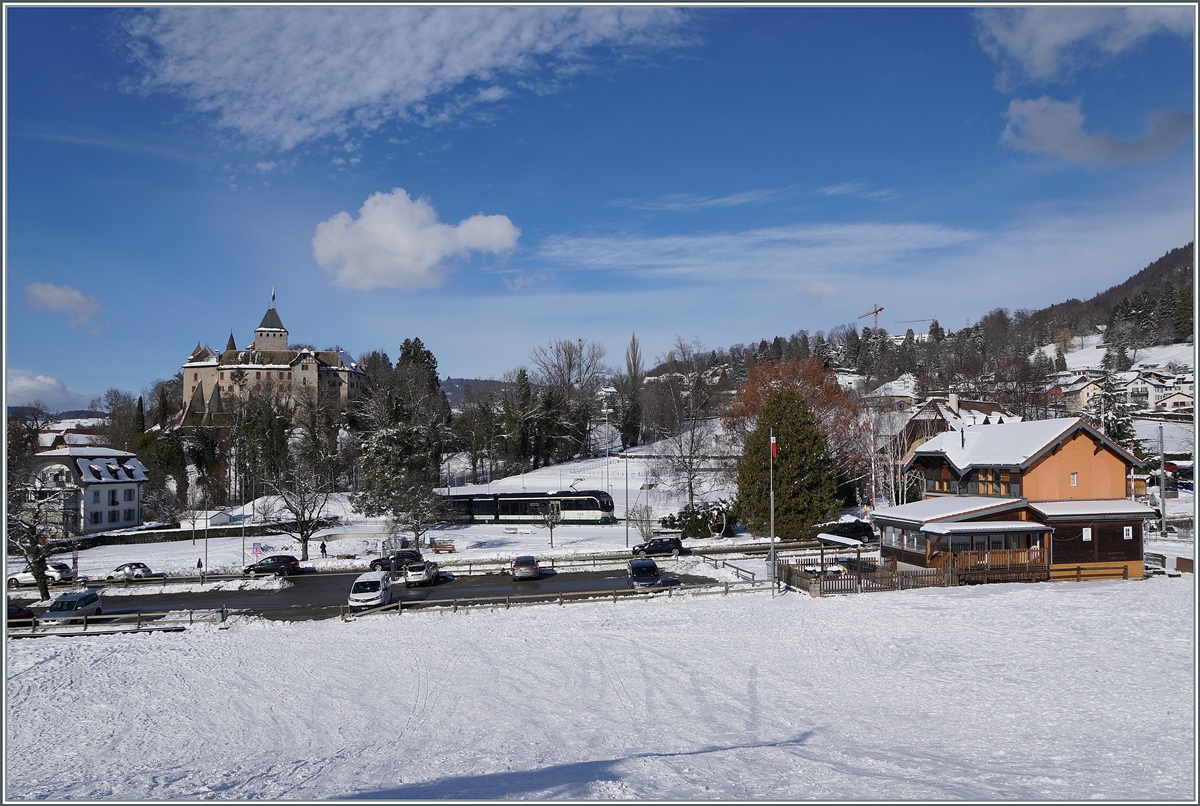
<point>95,496</point>
<point>258,376</point>
<point>129,495</point>
<point>1087,534</point>
<point>97,517</point>
<point>129,514</point>
<point>114,515</point>
<point>112,498</point>
<point>1129,533</point>
<point>1074,479</point>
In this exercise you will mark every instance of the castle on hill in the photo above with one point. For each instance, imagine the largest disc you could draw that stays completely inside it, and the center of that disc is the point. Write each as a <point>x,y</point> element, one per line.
<point>213,380</point>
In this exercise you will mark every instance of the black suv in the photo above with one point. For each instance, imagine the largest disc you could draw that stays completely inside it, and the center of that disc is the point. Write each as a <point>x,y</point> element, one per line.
<point>659,545</point>
<point>402,558</point>
<point>855,529</point>
<point>279,564</point>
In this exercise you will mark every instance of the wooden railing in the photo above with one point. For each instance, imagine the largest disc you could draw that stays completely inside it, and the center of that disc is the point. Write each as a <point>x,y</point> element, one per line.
<point>1001,559</point>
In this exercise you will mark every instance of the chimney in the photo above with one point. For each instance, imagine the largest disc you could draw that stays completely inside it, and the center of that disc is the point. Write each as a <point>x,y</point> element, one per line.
<point>954,402</point>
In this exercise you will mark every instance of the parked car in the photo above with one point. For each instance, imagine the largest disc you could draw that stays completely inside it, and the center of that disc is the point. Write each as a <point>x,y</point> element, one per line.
<point>659,545</point>
<point>72,607</point>
<point>372,589</point>
<point>643,573</point>
<point>402,558</point>
<point>525,567</point>
<point>55,573</point>
<point>131,571</point>
<point>22,616</point>
<point>422,573</point>
<point>855,530</point>
<point>278,564</point>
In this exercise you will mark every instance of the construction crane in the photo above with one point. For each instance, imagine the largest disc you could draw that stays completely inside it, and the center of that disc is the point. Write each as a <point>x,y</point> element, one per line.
<point>875,313</point>
<point>910,321</point>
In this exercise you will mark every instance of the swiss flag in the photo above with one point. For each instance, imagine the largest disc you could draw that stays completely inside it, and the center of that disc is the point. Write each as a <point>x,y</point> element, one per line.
<point>774,453</point>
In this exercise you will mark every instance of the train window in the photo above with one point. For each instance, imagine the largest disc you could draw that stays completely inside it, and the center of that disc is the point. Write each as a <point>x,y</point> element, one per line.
<point>485,506</point>
<point>590,503</point>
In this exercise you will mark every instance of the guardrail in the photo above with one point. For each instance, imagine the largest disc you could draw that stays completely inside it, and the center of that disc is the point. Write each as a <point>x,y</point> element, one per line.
<point>742,573</point>
<point>160,621</point>
<point>526,599</point>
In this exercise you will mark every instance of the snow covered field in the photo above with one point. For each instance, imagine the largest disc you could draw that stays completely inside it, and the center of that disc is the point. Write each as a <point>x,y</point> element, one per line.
<point>1088,351</point>
<point>1051,691</point>
<point>1024,692</point>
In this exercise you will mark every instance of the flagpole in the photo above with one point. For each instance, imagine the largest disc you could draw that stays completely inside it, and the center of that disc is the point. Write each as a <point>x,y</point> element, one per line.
<point>772,477</point>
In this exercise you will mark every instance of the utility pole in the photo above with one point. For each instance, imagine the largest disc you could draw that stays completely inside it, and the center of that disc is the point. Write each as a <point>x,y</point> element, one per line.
<point>1162,486</point>
<point>626,500</point>
<point>772,478</point>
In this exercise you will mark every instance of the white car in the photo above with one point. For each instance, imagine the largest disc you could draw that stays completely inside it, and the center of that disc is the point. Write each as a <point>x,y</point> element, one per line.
<point>55,572</point>
<point>422,573</point>
<point>372,589</point>
<point>72,607</point>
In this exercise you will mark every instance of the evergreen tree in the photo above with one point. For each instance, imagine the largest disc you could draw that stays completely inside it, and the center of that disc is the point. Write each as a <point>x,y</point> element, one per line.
<point>805,491</point>
<point>139,417</point>
<point>1108,410</point>
<point>1060,359</point>
<point>1185,324</point>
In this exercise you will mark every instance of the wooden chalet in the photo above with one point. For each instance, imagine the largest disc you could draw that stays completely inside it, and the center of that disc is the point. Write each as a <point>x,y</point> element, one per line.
<point>1045,498</point>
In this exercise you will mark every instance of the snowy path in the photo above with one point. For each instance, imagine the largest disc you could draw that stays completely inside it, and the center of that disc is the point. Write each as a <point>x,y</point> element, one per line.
<point>1050,691</point>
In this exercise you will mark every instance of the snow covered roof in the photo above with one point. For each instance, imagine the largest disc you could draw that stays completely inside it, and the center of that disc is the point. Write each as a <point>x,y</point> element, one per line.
<point>985,526</point>
<point>904,386</point>
<point>1010,444</point>
<point>110,469</point>
<point>1093,508</point>
<point>83,452</point>
<point>948,507</point>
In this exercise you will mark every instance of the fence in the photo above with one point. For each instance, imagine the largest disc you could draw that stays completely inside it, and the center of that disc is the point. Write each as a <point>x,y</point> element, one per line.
<point>574,597</point>
<point>164,621</point>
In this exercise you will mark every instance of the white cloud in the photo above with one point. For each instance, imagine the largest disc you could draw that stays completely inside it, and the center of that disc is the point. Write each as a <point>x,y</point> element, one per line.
<point>858,190</point>
<point>1050,42</point>
<point>264,167</point>
<point>1048,126</point>
<point>290,75</point>
<point>79,308</point>
<point>793,253</point>
<point>22,388</point>
<point>398,242</point>
<point>687,202</point>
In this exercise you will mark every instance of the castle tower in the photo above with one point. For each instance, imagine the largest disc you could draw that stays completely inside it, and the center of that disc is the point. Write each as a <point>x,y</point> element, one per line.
<point>270,334</point>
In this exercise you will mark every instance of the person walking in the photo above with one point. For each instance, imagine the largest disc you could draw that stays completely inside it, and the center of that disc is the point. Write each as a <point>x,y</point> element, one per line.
<point>200,569</point>
<point>323,554</point>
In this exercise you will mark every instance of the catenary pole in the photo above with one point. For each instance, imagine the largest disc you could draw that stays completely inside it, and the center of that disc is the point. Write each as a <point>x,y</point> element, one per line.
<point>772,478</point>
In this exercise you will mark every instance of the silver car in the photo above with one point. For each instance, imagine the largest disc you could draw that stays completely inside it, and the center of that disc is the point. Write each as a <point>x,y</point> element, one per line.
<point>55,572</point>
<point>72,607</point>
<point>422,573</point>
<point>525,568</point>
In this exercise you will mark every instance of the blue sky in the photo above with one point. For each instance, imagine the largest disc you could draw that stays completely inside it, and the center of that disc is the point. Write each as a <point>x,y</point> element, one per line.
<point>492,179</point>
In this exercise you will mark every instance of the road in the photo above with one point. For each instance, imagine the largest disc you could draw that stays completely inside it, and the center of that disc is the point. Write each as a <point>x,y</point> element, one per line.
<point>321,595</point>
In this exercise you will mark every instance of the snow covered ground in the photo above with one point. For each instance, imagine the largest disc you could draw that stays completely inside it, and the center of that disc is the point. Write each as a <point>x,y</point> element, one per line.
<point>1025,692</point>
<point>1088,351</point>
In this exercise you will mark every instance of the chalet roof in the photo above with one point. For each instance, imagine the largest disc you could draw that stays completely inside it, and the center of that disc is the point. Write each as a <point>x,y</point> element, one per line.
<point>1011,444</point>
<point>973,527</point>
<point>84,453</point>
<point>271,321</point>
<point>1093,508</point>
<point>947,508</point>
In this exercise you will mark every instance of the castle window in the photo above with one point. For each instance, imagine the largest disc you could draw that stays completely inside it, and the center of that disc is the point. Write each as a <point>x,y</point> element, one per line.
<point>195,376</point>
<point>222,376</point>
<point>258,376</point>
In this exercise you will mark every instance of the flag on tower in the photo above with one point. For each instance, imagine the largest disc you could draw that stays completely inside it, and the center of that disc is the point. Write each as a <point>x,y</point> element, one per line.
<point>774,455</point>
<point>272,296</point>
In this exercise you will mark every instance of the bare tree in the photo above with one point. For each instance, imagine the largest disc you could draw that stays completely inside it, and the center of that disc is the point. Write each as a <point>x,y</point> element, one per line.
<point>300,496</point>
<point>576,371</point>
<point>642,518</point>
<point>550,515</point>
<point>686,417</point>
<point>35,510</point>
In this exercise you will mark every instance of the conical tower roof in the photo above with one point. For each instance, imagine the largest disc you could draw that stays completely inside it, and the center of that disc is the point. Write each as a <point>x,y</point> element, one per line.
<point>270,321</point>
<point>230,345</point>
